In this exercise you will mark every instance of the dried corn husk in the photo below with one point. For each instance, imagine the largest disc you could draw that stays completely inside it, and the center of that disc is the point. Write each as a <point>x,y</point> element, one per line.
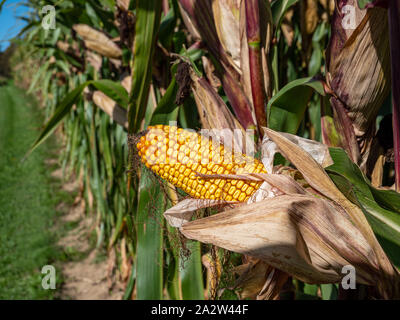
<point>311,238</point>
<point>226,15</point>
<point>94,59</point>
<point>220,26</point>
<point>98,41</point>
<point>127,83</point>
<point>123,4</point>
<point>109,106</point>
<point>359,75</point>
<point>258,280</point>
<point>306,237</point>
<point>62,45</point>
<point>214,114</point>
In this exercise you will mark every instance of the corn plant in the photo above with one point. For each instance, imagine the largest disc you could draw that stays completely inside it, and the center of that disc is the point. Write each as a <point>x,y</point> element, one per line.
<point>285,79</point>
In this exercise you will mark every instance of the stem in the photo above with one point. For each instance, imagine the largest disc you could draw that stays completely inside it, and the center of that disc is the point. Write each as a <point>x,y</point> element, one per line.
<point>254,45</point>
<point>165,7</point>
<point>394,28</point>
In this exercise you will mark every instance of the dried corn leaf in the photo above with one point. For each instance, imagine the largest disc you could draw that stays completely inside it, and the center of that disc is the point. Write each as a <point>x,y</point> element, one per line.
<point>189,23</point>
<point>127,83</point>
<point>272,287</point>
<point>214,270</point>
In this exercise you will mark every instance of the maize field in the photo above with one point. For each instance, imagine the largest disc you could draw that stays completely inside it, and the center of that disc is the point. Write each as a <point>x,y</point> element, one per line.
<point>226,149</point>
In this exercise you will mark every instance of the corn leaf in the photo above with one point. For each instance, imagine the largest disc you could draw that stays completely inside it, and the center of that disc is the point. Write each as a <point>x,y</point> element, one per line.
<point>381,207</point>
<point>286,109</point>
<point>149,259</point>
<point>329,291</point>
<point>191,275</point>
<point>166,109</point>
<point>369,3</point>
<point>113,90</point>
<point>279,9</point>
<point>148,13</point>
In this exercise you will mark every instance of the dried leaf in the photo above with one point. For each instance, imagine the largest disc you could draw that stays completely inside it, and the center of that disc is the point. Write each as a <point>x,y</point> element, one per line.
<point>94,59</point>
<point>183,211</point>
<point>127,83</point>
<point>98,41</point>
<point>226,19</point>
<point>359,75</point>
<point>123,4</point>
<point>320,181</point>
<point>319,151</point>
<point>258,280</point>
<point>214,114</point>
<point>304,236</point>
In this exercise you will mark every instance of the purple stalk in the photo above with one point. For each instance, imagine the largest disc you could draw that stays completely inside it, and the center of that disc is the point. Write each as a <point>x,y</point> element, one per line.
<point>237,98</point>
<point>254,45</point>
<point>394,28</point>
<point>165,7</point>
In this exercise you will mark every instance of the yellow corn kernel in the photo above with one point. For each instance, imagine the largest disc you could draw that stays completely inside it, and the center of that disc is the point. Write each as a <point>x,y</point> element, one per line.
<point>178,155</point>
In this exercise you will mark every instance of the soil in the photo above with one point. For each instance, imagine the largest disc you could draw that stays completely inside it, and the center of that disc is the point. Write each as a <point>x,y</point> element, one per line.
<point>85,278</point>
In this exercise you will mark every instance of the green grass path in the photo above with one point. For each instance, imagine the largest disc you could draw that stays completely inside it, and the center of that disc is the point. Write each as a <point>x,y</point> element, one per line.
<point>27,200</point>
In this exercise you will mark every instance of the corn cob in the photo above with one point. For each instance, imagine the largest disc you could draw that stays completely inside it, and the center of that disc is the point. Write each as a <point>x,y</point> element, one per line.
<point>177,155</point>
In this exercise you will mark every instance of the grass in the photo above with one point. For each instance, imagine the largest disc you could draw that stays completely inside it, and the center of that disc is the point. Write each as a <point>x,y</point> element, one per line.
<point>27,201</point>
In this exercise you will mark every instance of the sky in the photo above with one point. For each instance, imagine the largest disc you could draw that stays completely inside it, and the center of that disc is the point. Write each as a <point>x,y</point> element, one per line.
<point>10,25</point>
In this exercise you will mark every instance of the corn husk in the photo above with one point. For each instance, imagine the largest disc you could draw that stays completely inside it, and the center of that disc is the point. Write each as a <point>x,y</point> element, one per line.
<point>242,67</point>
<point>94,59</point>
<point>98,41</point>
<point>308,23</point>
<point>127,83</point>
<point>62,45</point>
<point>311,238</point>
<point>123,4</point>
<point>298,234</point>
<point>359,76</point>
<point>226,15</point>
<point>258,280</point>
<point>118,114</point>
<point>214,114</point>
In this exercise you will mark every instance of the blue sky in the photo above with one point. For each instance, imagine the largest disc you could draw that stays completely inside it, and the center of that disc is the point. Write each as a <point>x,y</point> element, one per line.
<point>9,24</point>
